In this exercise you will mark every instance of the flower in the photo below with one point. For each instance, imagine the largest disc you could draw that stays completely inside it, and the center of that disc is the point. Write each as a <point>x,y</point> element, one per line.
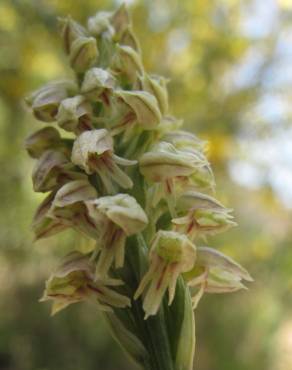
<point>127,63</point>
<point>75,114</point>
<point>171,254</point>
<point>45,139</point>
<point>53,169</point>
<point>45,101</point>
<point>68,207</point>
<point>214,272</point>
<point>121,21</point>
<point>144,106</point>
<point>74,281</point>
<point>97,83</point>
<point>173,170</point>
<point>119,216</point>
<point>93,152</point>
<point>70,31</point>
<point>201,215</point>
<point>116,24</point>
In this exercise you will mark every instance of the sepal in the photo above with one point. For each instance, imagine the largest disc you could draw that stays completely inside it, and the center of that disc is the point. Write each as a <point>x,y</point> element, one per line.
<point>53,169</point>
<point>214,272</point>
<point>201,215</point>
<point>70,31</point>
<point>68,207</point>
<point>157,86</point>
<point>97,81</point>
<point>83,54</point>
<point>44,139</point>
<point>42,225</point>
<point>127,63</point>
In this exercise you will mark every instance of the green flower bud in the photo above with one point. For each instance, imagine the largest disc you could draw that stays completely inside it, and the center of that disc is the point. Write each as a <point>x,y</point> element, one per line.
<point>100,23</point>
<point>74,281</point>
<point>68,207</point>
<point>93,152</point>
<point>70,31</point>
<point>143,105</point>
<point>214,272</point>
<point>83,54</point>
<point>171,254</point>
<point>45,101</point>
<point>119,216</point>
<point>43,226</point>
<point>127,62</point>
<point>42,140</point>
<point>97,81</point>
<point>51,170</point>
<point>75,114</point>
<point>156,85</point>
<point>114,24</point>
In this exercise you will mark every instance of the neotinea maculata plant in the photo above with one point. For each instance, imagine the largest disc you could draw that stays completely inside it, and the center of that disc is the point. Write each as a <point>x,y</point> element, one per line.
<point>128,177</point>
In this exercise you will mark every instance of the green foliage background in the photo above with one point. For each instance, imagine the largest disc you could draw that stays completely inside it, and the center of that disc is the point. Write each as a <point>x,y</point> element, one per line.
<point>203,46</point>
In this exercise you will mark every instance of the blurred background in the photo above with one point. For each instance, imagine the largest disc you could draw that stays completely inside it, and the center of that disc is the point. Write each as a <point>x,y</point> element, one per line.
<point>230,64</point>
